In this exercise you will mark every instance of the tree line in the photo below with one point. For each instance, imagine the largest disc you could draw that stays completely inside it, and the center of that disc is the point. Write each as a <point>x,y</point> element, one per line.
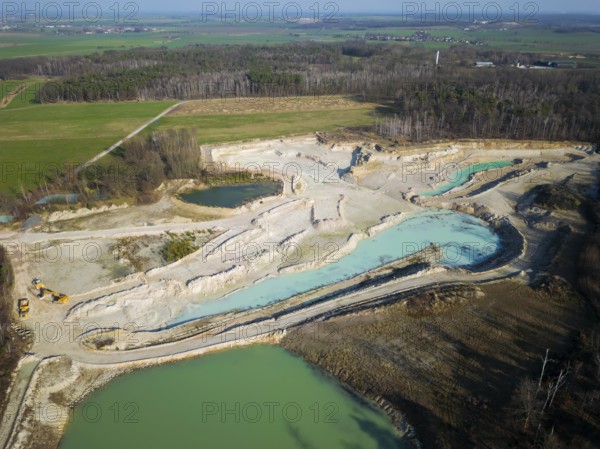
<point>142,164</point>
<point>451,100</point>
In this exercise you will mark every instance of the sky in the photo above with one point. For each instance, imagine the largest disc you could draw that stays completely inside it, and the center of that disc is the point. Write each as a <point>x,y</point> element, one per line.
<point>384,6</point>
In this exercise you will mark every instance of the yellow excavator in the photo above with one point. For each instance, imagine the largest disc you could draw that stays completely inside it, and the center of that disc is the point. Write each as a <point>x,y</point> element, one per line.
<point>60,298</point>
<point>23,307</point>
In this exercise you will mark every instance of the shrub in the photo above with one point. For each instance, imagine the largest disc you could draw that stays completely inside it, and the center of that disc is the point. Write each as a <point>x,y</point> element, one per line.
<point>178,246</point>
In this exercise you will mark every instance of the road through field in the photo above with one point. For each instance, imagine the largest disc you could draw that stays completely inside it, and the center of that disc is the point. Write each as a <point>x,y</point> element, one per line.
<point>129,136</point>
<point>11,95</point>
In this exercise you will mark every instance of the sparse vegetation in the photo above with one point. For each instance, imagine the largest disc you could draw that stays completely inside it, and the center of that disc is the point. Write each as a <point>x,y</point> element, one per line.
<point>130,248</point>
<point>178,246</point>
<point>12,345</point>
<point>555,197</point>
<point>104,342</point>
<point>451,363</point>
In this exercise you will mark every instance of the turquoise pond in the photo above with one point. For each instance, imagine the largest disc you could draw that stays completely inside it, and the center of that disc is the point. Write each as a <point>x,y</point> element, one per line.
<point>465,240</point>
<point>259,397</point>
<point>461,175</point>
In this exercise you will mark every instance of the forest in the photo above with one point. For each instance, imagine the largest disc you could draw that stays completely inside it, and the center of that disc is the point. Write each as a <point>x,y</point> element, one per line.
<point>451,100</point>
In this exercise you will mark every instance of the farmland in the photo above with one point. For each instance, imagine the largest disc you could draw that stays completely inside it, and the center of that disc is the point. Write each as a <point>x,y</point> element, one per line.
<point>37,140</point>
<point>219,121</point>
<point>176,32</point>
<point>40,139</point>
<point>16,45</point>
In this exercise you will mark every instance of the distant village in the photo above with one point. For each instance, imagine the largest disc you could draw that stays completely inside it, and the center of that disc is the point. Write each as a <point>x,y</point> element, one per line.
<point>67,29</point>
<point>418,36</point>
<point>535,65</point>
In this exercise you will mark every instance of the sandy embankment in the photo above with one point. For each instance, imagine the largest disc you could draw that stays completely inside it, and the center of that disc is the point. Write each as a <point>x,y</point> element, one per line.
<point>326,210</point>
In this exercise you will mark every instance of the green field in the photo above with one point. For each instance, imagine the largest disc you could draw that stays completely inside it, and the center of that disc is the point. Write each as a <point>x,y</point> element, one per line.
<point>7,86</point>
<point>239,127</point>
<point>37,140</point>
<point>539,40</point>
<point>24,98</point>
<point>178,33</point>
<point>16,45</point>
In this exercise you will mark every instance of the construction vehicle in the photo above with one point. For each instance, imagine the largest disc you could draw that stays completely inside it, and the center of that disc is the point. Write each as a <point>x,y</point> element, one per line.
<point>37,284</point>
<point>23,304</point>
<point>60,298</point>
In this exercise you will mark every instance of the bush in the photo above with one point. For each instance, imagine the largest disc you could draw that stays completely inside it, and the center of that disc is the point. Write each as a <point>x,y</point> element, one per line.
<point>178,246</point>
<point>556,197</point>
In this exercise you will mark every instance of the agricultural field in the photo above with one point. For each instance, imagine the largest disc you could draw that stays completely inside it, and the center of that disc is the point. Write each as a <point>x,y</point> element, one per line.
<point>17,45</point>
<point>176,32</point>
<point>36,140</point>
<point>539,40</point>
<point>219,121</point>
<point>19,93</point>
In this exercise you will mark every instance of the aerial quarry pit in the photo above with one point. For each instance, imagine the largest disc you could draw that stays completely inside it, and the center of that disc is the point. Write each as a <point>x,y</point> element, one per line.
<point>123,314</point>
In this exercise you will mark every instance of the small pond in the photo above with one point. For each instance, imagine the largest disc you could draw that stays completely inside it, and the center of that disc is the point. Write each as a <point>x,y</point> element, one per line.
<point>231,196</point>
<point>461,175</point>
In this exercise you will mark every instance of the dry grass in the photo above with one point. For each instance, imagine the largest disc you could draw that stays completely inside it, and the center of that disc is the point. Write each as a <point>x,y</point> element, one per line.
<point>248,105</point>
<point>453,368</point>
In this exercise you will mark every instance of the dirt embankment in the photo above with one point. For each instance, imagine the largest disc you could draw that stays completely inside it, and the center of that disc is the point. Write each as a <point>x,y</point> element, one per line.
<point>365,134</point>
<point>13,341</point>
<point>450,362</point>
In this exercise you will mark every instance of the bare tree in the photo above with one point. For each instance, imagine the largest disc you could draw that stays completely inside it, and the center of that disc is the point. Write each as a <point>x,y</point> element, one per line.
<point>527,404</point>
<point>544,362</point>
<point>558,383</point>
